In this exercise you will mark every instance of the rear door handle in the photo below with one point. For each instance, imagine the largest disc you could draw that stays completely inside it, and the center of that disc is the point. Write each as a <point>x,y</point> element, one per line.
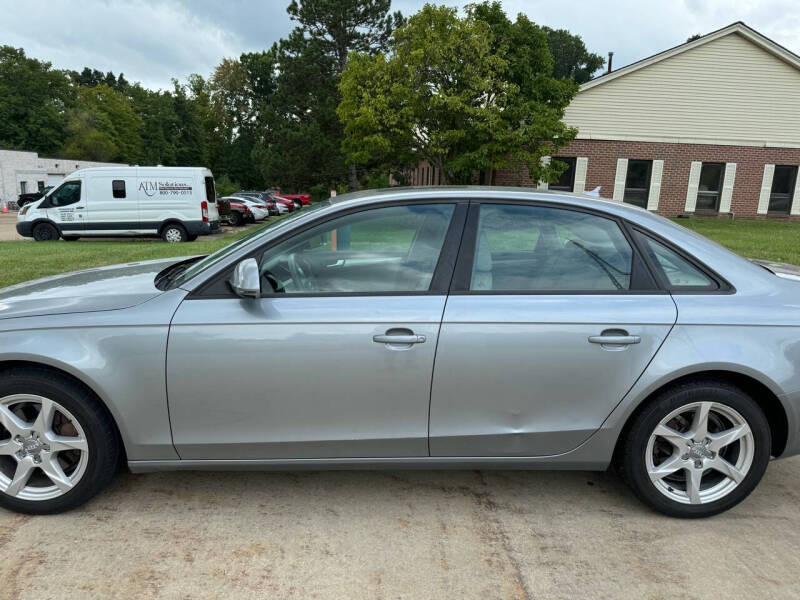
<point>615,340</point>
<point>399,339</point>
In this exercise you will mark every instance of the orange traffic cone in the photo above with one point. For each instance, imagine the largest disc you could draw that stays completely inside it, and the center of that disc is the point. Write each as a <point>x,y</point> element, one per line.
<point>5,207</point>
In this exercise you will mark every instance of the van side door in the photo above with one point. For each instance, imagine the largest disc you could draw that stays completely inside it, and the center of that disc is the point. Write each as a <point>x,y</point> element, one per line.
<point>112,205</point>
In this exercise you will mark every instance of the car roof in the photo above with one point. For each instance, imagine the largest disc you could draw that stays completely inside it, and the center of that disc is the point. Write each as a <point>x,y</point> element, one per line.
<point>487,192</point>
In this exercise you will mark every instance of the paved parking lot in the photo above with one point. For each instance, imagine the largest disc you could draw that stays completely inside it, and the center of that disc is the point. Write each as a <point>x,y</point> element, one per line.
<point>431,534</point>
<point>8,224</point>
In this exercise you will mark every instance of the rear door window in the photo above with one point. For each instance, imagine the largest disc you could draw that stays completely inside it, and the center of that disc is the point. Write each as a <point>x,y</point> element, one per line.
<point>535,248</point>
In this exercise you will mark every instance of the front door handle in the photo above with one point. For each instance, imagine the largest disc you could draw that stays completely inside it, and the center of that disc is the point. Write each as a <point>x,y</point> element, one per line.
<point>399,339</point>
<point>615,339</point>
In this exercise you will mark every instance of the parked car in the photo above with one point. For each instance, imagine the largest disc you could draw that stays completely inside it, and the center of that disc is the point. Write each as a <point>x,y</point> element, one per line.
<point>29,197</point>
<point>240,214</point>
<point>223,208</point>
<point>438,327</point>
<point>304,199</point>
<point>176,203</point>
<point>265,196</point>
<point>259,209</point>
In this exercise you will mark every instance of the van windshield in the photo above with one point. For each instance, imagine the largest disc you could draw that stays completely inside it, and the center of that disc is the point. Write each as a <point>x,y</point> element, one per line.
<point>212,259</point>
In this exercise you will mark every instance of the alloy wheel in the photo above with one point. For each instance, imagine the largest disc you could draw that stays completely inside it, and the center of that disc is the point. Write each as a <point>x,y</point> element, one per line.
<point>43,448</point>
<point>700,453</point>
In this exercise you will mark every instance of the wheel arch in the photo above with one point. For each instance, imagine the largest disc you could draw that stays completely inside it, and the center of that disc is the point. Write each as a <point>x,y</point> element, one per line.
<point>39,220</point>
<point>65,371</point>
<point>761,393</point>
<point>171,221</point>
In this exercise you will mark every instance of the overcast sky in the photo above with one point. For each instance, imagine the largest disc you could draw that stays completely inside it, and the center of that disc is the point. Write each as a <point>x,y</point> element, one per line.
<point>152,41</point>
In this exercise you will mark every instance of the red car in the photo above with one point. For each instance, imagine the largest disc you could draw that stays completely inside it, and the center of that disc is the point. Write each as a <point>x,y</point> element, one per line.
<point>305,199</point>
<point>240,214</point>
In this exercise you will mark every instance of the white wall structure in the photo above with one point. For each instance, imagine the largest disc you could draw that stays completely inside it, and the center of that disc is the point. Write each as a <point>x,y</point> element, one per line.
<point>20,169</point>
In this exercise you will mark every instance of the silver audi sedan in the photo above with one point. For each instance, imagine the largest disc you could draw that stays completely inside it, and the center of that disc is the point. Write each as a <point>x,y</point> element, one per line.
<point>426,328</point>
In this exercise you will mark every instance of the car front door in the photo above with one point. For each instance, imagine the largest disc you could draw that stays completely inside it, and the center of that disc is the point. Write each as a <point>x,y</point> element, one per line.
<point>552,318</point>
<point>66,207</point>
<point>335,359</point>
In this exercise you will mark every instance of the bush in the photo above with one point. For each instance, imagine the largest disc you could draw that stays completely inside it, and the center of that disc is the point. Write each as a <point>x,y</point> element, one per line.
<point>225,187</point>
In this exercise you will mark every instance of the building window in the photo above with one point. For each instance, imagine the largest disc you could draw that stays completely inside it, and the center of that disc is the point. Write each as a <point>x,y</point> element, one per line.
<point>783,182</point>
<point>566,181</point>
<point>23,187</point>
<point>637,182</point>
<point>118,188</point>
<point>40,185</point>
<point>710,186</point>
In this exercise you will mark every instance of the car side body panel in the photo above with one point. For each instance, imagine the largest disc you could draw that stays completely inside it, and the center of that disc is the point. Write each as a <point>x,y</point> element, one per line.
<point>118,354</point>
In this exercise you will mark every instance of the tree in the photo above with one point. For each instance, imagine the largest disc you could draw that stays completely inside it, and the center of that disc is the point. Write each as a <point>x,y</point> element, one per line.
<point>571,58</point>
<point>465,94</point>
<point>103,126</point>
<point>334,28</point>
<point>33,97</point>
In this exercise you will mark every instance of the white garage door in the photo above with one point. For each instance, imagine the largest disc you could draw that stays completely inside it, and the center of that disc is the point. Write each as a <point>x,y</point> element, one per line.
<point>54,178</point>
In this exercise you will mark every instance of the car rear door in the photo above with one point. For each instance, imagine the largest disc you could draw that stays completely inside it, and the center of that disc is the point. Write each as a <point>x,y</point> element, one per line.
<point>335,359</point>
<point>552,318</point>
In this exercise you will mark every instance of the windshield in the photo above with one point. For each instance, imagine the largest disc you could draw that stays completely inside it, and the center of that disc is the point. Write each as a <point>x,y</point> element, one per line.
<point>216,257</point>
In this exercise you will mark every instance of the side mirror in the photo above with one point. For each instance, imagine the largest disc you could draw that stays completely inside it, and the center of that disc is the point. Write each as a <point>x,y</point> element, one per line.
<point>246,279</point>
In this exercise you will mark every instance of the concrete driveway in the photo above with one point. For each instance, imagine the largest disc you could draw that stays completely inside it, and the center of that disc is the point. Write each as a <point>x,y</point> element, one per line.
<point>8,227</point>
<point>443,534</point>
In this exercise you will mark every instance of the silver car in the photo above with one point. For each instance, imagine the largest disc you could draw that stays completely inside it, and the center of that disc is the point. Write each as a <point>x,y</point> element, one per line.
<point>421,328</point>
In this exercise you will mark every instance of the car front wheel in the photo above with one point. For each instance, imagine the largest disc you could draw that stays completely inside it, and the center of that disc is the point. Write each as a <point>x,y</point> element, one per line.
<point>58,445</point>
<point>697,449</point>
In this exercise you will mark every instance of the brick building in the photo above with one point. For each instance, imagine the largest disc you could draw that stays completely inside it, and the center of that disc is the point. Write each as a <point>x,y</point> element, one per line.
<point>710,127</point>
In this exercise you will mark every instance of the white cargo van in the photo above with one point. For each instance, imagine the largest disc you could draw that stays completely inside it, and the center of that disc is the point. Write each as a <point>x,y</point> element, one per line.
<point>176,203</point>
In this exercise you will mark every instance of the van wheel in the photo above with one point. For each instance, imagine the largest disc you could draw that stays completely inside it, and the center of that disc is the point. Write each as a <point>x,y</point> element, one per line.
<point>45,232</point>
<point>174,232</point>
<point>192,237</point>
<point>70,238</point>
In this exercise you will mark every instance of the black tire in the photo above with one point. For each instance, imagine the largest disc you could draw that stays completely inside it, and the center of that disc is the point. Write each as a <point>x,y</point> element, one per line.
<point>192,237</point>
<point>235,219</point>
<point>97,424</point>
<point>45,232</point>
<point>174,232</point>
<point>70,238</point>
<point>632,460</point>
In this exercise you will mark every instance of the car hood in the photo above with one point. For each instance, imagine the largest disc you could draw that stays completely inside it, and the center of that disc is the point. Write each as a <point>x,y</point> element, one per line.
<point>103,288</point>
<point>783,270</point>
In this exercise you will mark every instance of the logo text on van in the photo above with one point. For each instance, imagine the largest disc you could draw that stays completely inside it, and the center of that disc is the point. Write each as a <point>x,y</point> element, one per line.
<point>165,188</point>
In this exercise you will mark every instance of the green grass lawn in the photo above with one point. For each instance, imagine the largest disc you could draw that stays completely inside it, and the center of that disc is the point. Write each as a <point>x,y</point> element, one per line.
<point>769,240</point>
<point>21,261</point>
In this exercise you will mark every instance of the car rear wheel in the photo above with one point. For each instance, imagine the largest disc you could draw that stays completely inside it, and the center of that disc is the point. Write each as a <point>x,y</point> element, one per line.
<point>58,445</point>
<point>174,232</point>
<point>45,232</point>
<point>697,449</point>
<point>235,219</point>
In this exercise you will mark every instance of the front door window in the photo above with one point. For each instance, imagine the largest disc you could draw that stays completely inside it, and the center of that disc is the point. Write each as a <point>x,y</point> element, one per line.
<point>68,193</point>
<point>393,249</point>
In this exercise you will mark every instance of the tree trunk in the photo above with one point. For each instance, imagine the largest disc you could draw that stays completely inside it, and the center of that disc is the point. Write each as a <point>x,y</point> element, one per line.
<point>352,178</point>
